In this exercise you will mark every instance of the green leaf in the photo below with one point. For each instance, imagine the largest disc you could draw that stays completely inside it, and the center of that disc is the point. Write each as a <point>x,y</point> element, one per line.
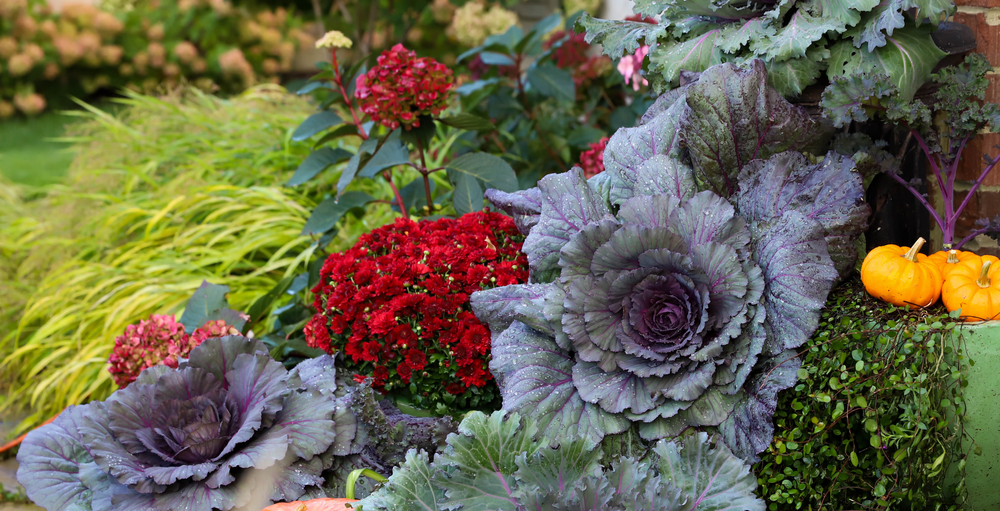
<point>492,170</point>
<point>494,47</point>
<point>311,86</point>
<point>756,29</point>
<point>908,60</point>
<point>330,211</point>
<point>553,82</point>
<point>495,59</point>
<point>854,458</point>
<point>206,301</point>
<point>393,152</point>
<point>792,40</point>
<point>343,131</point>
<point>791,77</point>
<point>620,37</point>
<point>351,169</point>
<point>483,457</point>
<point>848,98</point>
<point>720,480</point>
<point>696,54</point>
<point>317,162</point>
<point>467,121</point>
<point>468,195</point>
<point>316,123</point>
<point>262,306</point>
<point>409,487</point>
<point>847,12</point>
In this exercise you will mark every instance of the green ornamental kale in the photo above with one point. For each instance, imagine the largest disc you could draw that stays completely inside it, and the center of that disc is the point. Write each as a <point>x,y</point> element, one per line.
<point>501,462</point>
<point>799,41</point>
<point>671,291</point>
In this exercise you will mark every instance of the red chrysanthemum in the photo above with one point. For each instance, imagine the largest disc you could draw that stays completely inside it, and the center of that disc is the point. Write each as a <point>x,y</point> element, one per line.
<point>401,87</point>
<point>397,303</point>
<point>157,340</point>
<point>592,160</point>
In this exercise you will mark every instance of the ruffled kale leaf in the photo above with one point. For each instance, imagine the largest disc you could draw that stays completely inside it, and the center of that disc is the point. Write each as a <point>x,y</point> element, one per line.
<point>662,304</point>
<point>620,37</point>
<point>499,462</point>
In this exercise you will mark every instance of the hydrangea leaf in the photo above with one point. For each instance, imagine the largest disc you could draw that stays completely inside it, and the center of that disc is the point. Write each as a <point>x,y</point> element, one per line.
<point>733,117</point>
<point>498,307</point>
<point>829,192</point>
<point>791,77</point>
<point>53,464</point>
<point>482,458</point>
<point>795,37</point>
<point>750,428</point>
<point>620,37</point>
<point>798,273</point>
<point>537,382</point>
<point>695,54</point>
<point>409,488</point>
<point>908,61</point>
<point>714,478</point>
<point>524,206</point>
<point>629,148</point>
<point>568,204</point>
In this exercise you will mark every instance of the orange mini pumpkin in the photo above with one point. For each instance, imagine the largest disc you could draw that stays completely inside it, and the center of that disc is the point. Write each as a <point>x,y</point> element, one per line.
<point>312,505</point>
<point>974,288</point>
<point>901,276</point>
<point>946,260</point>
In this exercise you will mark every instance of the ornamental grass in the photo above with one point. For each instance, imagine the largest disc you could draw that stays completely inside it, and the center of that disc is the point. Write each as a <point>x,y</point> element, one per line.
<point>164,195</point>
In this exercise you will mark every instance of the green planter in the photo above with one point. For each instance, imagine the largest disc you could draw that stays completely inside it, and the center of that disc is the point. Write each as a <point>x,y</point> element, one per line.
<point>982,397</point>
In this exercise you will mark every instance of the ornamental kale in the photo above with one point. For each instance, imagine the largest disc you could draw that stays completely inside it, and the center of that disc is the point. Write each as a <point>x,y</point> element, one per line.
<point>502,462</point>
<point>230,427</point>
<point>798,41</point>
<point>671,290</point>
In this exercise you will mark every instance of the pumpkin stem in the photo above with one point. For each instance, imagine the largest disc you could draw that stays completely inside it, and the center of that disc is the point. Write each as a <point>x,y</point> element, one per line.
<point>911,254</point>
<point>953,257</point>
<point>984,279</point>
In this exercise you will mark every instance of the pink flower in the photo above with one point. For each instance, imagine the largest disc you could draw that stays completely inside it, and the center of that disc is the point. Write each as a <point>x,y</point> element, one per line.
<point>630,66</point>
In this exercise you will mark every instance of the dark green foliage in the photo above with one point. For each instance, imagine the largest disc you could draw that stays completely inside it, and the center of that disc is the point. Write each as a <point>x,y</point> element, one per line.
<point>876,418</point>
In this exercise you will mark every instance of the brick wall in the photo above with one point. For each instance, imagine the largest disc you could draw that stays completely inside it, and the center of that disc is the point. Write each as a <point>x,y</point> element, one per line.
<point>983,16</point>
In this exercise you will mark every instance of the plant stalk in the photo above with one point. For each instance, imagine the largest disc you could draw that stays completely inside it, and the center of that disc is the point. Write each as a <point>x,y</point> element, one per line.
<point>426,175</point>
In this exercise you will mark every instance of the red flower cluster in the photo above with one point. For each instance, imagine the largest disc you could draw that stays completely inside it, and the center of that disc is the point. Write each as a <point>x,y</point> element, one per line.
<point>402,87</point>
<point>592,160</point>
<point>157,340</point>
<point>573,50</point>
<point>397,303</point>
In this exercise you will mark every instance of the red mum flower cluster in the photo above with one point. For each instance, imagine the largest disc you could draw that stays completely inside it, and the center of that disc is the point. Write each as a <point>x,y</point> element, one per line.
<point>157,340</point>
<point>402,87</point>
<point>592,160</point>
<point>397,303</point>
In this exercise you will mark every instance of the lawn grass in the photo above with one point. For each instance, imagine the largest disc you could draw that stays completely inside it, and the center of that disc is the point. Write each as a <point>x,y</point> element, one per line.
<point>28,155</point>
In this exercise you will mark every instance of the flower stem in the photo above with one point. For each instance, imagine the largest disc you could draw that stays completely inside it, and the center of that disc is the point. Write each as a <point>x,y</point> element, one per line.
<point>426,175</point>
<point>339,82</point>
<point>399,198</point>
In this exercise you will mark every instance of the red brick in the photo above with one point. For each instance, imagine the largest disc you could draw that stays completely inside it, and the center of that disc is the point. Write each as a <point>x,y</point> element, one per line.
<point>972,164</point>
<point>987,37</point>
<point>984,204</point>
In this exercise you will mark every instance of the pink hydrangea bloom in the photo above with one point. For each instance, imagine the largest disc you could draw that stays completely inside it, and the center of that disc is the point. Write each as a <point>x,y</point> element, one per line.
<point>157,340</point>
<point>630,65</point>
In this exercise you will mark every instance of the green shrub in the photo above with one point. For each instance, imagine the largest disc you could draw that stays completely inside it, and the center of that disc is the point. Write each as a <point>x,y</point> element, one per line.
<point>50,55</point>
<point>167,194</point>
<point>875,421</point>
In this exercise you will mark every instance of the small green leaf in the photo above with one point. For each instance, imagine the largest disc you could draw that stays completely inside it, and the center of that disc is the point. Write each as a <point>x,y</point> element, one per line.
<point>317,162</point>
<point>393,152</point>
<point>262,305</point>
<point>316,123</point>
<point>553,82</point>
<point>491,169</point>
<point>861,401</point>
<point>342,131</point>
<point>467,121</point>
<point>330,211</point>
<point>468,195</point>
<point>206,301</point>
<point>854,458</point>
